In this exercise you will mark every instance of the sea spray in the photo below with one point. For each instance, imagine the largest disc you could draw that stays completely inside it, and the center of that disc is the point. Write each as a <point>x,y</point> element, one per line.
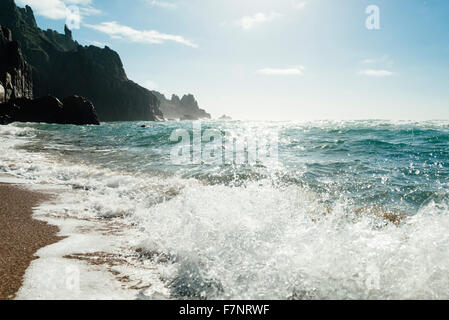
<point>352,210</point>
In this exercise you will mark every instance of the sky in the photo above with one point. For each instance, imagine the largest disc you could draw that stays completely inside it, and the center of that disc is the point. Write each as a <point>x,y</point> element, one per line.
<point>276,59</point>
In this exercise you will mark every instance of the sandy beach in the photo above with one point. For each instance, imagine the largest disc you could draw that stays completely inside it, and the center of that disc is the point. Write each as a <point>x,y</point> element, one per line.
<point>20,236</point>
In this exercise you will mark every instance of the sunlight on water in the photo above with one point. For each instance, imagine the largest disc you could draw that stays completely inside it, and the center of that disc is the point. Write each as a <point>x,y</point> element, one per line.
<point>351,209</point>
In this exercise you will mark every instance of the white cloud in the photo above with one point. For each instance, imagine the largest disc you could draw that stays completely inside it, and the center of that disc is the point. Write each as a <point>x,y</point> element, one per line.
<point>117,31</point>
<point>80,2</point>
<point>151,85</point>
<point>385,61</point>
<point>298,71</point>
<point>249,22</point>
<point>377,73</point>
<point>52,9</point>
<point>97,43</point>
<point>163,4</point>
<point>57,9</point>
<point>378,67</point>
<point>369,61</point>
<point>90,11</point>
<point>299,4</point>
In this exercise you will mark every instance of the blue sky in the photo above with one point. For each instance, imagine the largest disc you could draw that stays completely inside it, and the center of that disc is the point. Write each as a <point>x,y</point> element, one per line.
<point>277,59</point>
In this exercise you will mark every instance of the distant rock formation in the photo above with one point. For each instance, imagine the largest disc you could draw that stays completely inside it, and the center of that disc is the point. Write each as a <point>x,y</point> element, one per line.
<point>185,108</point>
<point>72,110</point>
<point>225,117</point>
<point>61,67</point>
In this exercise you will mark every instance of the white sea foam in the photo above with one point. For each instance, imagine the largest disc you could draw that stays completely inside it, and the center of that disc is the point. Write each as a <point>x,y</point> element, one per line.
<point>97,260</point>
<point>282,248</point>
<point>255,241</point>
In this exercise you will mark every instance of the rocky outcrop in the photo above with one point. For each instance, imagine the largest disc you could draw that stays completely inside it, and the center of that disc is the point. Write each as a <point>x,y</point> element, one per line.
<point>45,109</point>
<point>98,75</point>
<point>72,110</point>
<point>15,72</point>
<point>185,108</point>
<point>6,112</point>
<point>77,110</point>
<point>2,94</point>
<point>61,67</point>
<point>16,91</point>
<point>225,117</point>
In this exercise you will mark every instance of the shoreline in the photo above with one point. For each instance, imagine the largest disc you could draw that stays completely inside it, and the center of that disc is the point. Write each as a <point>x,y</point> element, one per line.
<point>21,236</point>
<point>89,259</point>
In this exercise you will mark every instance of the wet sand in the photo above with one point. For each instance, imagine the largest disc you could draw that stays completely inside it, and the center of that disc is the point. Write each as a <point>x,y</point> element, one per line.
<point>20,236</point>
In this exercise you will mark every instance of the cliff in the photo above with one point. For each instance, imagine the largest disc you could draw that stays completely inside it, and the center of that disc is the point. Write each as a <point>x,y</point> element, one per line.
<point>61,67</point>
<point>16,92</point>
<point>71,110</point>
<point>15,72</point>
<point>185,108</point>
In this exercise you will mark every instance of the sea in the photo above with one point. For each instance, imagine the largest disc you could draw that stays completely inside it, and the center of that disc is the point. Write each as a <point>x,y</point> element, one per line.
<point>237,209</point>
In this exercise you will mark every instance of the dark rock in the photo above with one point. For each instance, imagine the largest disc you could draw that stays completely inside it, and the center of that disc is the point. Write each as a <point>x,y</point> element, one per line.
<point>62,42</point>
<point>15,72</point>
<point>79,111</point>
<point>4,120</point>
<point>73,110</point>
<point>28,15</point>
<point>16,90</point>
<point>7,110</point>
<point>6,34</point>
<point>2,94</point>
<point>98,75</point>
<point>46,109</point>
<point>61,67</point>
<point>68,32</point>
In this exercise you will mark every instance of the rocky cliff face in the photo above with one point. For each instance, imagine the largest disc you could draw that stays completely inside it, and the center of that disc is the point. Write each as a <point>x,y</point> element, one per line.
<point>61,67</point>
<point>72,110</point>
<point>16,92</point>
<point>185,108</point>
<point>15,72</point>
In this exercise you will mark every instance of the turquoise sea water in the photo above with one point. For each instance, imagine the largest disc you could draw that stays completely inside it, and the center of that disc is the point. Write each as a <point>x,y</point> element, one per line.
<point>351,209</point>
<point>396,165</point>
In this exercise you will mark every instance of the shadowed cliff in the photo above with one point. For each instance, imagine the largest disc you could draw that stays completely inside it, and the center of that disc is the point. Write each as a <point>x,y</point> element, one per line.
<point>61,67</point>
<point>15,72</point>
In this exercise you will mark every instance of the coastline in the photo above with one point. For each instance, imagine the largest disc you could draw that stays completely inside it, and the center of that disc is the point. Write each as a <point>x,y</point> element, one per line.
<point>93,257</point>
<point>130,234</point>
<point>65,258</point>
<point>21,236</point>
